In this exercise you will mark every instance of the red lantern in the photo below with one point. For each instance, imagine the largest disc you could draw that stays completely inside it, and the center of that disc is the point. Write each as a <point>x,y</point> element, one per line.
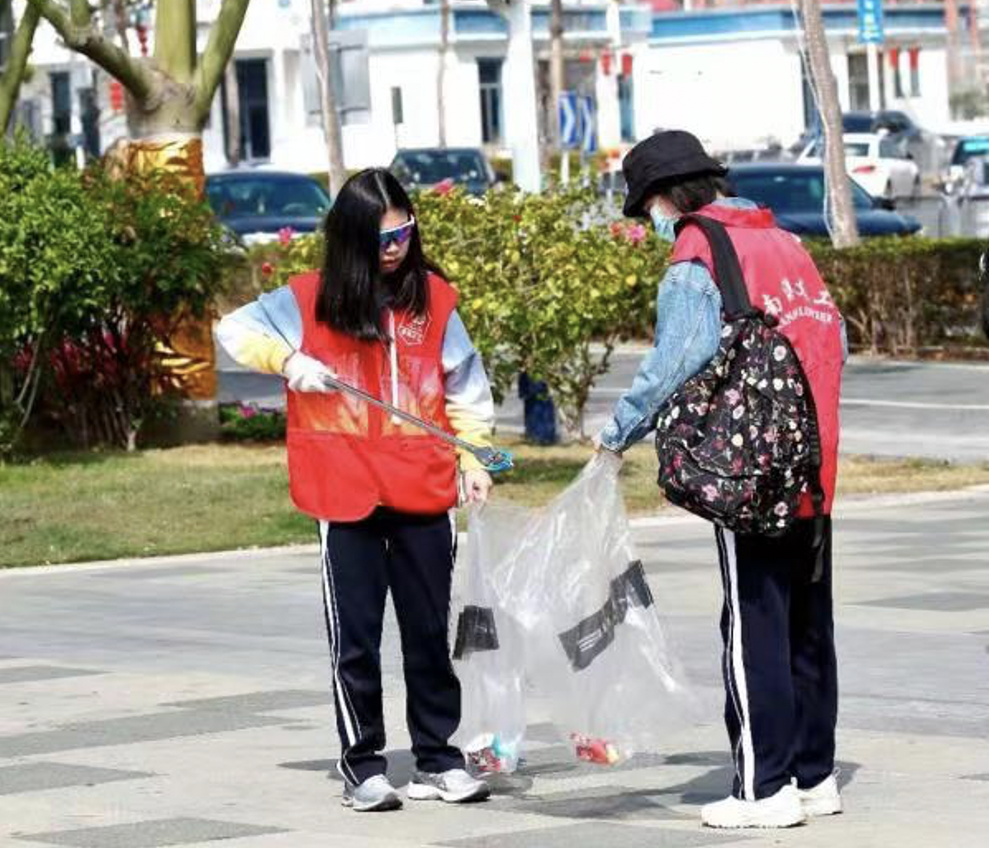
<point>913,53</point>
<point>894,53</point>
<point>606,63</point>
<point>586,56</point>
<point>627,64</point>
<point>116,96</point>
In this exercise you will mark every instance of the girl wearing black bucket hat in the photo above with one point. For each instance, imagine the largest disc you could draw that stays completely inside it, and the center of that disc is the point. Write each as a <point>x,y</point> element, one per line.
<point>779,663</point>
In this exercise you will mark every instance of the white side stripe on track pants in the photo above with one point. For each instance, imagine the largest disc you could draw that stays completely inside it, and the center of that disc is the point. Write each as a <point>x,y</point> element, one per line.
<point>344,708</point>
<point>736,670</point>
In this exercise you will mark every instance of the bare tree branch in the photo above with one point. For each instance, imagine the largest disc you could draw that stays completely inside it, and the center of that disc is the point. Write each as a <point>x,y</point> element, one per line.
<point>219,48</point>
<point>13,74</point>
<point>91,43</point>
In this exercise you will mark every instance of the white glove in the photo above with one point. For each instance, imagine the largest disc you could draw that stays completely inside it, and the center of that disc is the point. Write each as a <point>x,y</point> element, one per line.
<point>305,374</point>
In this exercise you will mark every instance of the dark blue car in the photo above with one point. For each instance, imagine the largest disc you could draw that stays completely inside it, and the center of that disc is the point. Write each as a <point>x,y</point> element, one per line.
<point>424,167</point>
<point>796,195</point>
<point>257,205</point>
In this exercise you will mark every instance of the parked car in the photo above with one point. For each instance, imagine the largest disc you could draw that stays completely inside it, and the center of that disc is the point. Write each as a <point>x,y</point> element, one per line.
<point>427,166</point>
<point>888,120</point>
<point>969,200</point>
<point>925,147</point>
<point>796,195</point>
<point>966,148</point>
<point>881,164</point>
<point>257,205</point>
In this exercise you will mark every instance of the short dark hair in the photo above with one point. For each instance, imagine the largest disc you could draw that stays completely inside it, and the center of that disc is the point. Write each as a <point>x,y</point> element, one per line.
<point>349,299</point>
<point>689,193</point>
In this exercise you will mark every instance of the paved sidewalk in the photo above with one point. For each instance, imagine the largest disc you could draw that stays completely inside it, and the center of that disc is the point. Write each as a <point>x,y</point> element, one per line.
<point>181,701</point>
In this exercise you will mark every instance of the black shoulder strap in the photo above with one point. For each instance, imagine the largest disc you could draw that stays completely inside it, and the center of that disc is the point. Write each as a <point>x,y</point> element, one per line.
<point>728,272</point>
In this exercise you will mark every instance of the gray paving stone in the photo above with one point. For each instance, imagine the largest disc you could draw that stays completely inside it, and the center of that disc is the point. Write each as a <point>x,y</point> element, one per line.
<point>398,769</point>
<point>165,572</point>
<point>259,702</point>
<point>151,727</point>
<point>29,673</point>
<point>559,762</point>
<point>595,835</point>
<point>32,777</point>
<point>927,566</point>
<point>151,834</point>
<point>935,601</point>
<point>600,802</point>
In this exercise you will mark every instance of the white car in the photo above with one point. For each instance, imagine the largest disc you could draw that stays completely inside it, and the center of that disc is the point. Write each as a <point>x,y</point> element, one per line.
<point>879,163</point>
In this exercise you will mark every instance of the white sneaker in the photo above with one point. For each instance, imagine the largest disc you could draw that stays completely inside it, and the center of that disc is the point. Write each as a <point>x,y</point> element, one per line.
<point>780,810</point>
<point>823,799</point>
<point>454,786</point>
<point>376,794</point>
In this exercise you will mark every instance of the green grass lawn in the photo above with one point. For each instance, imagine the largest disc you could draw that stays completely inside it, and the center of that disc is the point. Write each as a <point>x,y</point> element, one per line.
<point>83,506</point>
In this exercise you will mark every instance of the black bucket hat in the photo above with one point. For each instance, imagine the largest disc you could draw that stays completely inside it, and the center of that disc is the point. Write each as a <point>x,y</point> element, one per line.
<point>663,156</point>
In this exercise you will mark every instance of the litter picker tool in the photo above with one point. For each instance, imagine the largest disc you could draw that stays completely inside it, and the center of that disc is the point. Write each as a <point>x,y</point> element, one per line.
<point>492,459</point>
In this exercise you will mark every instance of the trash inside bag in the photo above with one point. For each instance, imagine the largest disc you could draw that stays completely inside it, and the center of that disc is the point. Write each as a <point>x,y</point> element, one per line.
<point>557,624</point>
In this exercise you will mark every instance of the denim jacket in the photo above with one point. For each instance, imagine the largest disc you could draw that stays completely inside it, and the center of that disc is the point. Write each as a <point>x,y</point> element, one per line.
<point>689,326</point>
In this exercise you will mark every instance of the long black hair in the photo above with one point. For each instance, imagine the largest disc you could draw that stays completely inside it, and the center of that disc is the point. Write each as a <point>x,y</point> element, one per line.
<point>352,292</point>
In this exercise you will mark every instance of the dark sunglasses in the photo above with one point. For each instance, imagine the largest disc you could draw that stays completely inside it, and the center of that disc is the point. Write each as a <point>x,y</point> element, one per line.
<point>396,235</point>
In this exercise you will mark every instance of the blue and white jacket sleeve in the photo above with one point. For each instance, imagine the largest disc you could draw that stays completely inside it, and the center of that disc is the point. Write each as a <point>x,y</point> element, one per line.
<point>262,334</point>
<point>689,325</point>
<point>469,405</point>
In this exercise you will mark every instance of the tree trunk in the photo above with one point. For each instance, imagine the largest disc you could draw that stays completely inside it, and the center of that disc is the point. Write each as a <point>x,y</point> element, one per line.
<point>840,216</point>
<point>556,69</point>
<point>952,47</point>
<point>336,172</point>
<point>13,72</point>
<point>442,71</point>
<point>172,95</point>
<point>232,111</point>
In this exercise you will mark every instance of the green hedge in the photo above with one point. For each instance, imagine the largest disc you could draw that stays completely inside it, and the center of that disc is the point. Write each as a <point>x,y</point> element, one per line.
<point>94,273</point>
<point>901,295</point>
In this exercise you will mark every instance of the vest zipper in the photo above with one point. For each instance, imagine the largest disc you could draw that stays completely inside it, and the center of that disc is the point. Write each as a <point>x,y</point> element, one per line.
<point>393,365</point>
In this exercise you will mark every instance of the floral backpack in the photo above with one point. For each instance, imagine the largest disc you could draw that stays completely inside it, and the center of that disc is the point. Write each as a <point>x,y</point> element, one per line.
<point>738,443</point>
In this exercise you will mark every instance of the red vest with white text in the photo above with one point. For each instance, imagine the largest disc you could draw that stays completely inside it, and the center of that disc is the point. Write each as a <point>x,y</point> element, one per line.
<point>347,457</point>
<point>782,280</point>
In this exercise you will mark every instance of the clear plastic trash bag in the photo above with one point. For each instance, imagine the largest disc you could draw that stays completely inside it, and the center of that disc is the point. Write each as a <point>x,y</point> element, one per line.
<point>556,622</point>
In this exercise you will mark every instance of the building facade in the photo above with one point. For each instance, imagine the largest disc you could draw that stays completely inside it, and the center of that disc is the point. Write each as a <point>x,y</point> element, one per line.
<point>734,76</point>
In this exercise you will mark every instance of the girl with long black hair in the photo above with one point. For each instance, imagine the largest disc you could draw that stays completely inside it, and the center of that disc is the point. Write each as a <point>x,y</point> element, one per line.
<point>379,316</point>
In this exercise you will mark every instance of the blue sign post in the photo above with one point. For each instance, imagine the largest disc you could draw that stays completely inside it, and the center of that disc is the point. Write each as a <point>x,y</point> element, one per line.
<point>569,117</point>
<point>589,129</point>
<point>870,14</point>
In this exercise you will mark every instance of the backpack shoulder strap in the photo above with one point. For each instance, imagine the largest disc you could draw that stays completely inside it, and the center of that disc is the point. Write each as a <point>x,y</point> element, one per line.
<point>728,271</point>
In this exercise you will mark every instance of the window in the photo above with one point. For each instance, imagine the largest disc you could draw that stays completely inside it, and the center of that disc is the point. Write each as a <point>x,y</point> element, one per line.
<point>490,88</point>
<point>626,125</point>
<point>852,148</point>
<point>252,95</point>
<point>895,64</point>
<point>266,195</point>
<point>61,103</point>
<point>792,192</point>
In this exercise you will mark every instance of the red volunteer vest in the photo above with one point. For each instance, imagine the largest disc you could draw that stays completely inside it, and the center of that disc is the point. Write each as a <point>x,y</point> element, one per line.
<point>782,280</point>
<point>347,457</point>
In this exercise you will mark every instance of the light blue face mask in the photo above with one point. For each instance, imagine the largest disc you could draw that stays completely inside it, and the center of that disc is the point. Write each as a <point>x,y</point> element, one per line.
<point>662,224</point>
